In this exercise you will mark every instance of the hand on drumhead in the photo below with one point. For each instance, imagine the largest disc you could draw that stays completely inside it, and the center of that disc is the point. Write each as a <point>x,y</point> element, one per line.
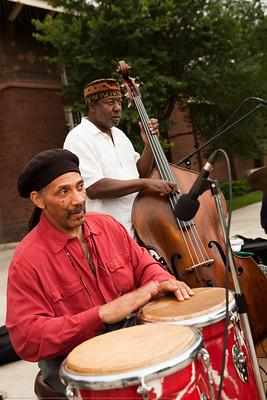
<point>180,289</point>
<point>116,310</point>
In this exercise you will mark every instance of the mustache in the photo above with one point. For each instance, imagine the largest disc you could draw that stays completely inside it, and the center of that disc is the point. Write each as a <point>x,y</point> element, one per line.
<point>75,210</point>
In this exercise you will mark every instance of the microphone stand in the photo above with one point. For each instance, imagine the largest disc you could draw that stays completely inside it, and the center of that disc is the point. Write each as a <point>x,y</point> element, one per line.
<point>220,133</point>
<point>239,296</point>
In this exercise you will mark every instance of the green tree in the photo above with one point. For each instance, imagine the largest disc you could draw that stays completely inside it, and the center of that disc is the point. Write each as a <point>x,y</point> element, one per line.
<point>211,52</point>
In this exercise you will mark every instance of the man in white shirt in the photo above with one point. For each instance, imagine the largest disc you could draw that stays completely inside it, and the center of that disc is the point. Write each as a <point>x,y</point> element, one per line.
<point>112,170</point>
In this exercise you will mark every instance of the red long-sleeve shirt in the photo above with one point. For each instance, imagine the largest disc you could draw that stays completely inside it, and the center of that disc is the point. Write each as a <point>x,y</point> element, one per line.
<point>53,297</point>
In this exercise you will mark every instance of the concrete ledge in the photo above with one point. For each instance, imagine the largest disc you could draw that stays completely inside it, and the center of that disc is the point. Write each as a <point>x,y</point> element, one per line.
<point>7,246</point>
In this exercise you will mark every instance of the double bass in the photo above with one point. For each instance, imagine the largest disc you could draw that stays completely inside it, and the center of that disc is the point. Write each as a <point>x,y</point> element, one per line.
<point>193,251</point>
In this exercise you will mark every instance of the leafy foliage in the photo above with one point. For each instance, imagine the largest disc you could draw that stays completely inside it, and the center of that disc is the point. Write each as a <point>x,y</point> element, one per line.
<point>239,188</point>
<point>210,52</point>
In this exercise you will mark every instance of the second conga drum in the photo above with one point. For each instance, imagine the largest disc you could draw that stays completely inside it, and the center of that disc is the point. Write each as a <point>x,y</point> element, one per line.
<point>206,310</point>
<point>141,362</point>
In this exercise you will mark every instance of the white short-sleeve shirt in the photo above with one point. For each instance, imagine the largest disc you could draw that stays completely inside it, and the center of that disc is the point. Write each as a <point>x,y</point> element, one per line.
<point>100,157</point>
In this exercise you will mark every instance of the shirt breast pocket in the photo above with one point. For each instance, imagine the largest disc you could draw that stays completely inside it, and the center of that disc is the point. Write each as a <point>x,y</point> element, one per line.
<point>121,274</point>
<point>67,298</point>
<point>128,163</point>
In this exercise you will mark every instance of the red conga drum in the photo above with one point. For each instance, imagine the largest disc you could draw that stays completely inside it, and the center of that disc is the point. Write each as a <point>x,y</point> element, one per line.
<point>157,361</point>
<point>206,310</point>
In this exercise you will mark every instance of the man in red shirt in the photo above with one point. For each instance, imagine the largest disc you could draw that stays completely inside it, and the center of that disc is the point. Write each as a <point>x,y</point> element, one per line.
<point>75,274</point>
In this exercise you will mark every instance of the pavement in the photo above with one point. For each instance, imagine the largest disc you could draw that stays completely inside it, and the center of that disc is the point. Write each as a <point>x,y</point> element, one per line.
<point>17,378</point>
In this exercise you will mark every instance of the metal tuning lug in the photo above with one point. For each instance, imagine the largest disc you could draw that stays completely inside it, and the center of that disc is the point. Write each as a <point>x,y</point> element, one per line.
<point>72,392</point>
<point>240,363</point>
<point>239,358</point>
<point>205,357</point>
<point>144,389</point>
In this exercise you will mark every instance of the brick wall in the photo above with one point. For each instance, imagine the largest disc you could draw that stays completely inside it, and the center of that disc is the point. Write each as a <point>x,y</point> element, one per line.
<point>184,141</point>
<point>31,120</point>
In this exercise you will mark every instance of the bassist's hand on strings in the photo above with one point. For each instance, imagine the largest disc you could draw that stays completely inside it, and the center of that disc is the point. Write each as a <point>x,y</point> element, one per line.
<point>154,129</point>
<point>163,188</point>
<point>160,186</point>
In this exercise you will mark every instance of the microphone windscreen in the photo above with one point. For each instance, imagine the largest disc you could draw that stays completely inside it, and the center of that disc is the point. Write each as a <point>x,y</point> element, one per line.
<point>186,208</point>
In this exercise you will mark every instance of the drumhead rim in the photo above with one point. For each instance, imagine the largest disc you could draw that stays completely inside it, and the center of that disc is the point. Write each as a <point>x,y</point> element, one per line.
<point>198,321</point>
<point>135,377</point>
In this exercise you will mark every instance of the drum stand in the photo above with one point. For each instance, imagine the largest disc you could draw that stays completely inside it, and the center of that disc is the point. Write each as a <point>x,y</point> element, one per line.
<point>239,296</point>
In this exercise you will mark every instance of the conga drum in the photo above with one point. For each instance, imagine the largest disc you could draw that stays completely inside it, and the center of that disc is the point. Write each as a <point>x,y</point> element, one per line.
<point>157,361</point>
<point>206,310</point>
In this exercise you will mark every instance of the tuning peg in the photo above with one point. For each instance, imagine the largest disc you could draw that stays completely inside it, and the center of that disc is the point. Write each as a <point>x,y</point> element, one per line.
<point>138,82</point>
<point>123,89</point>
<point>129,99</point>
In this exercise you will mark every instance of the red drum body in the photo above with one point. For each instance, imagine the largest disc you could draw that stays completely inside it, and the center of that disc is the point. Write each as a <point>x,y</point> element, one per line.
<point>206,310</point>
<point>156,361</point>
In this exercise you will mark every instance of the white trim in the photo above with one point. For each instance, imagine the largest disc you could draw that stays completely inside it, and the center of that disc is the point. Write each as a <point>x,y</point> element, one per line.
<point>40,4</point>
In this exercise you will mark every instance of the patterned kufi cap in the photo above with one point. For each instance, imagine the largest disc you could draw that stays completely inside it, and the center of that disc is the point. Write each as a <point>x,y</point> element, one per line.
<point>101,88</point>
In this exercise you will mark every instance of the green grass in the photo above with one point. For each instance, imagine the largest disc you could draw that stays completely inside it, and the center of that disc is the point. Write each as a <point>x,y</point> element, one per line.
<point>246,199</point>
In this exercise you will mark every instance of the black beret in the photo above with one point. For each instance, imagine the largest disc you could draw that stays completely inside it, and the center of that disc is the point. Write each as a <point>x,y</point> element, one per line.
<point>44,167</point>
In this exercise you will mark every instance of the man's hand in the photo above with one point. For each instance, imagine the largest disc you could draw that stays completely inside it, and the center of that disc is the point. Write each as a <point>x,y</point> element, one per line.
<point>154,129</point>
<point>159,186</point>
<point>180,289</point>
<point>119,308</point>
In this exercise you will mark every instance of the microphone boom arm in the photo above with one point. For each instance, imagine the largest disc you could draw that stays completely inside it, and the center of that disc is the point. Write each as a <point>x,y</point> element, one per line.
<point>220,133</point>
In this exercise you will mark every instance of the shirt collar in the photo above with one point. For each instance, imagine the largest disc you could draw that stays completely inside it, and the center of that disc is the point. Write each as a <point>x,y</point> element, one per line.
<point>56,239</point>
<point>90,227</point>
<point>94,129</point>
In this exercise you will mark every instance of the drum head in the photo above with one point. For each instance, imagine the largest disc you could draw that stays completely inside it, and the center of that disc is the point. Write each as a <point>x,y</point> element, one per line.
<point>130,348</point>
<point>257,178</point>
<point>206,306</point>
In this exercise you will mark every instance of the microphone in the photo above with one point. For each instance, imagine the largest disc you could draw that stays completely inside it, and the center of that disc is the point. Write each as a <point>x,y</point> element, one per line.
<point>188,203</point>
